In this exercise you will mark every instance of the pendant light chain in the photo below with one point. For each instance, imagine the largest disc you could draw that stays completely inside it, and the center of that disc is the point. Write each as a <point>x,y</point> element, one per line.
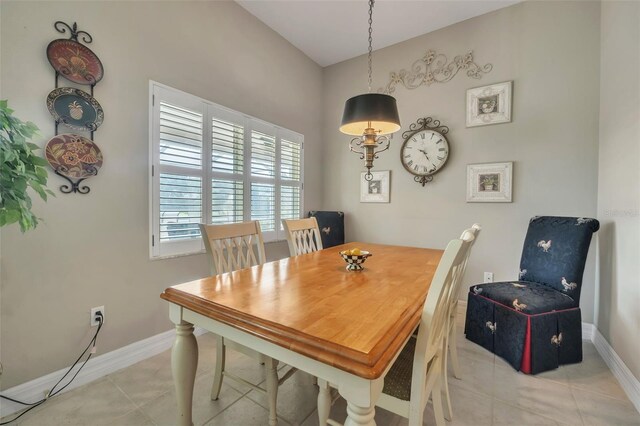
<point>370,117</point>
<point>370,39</point>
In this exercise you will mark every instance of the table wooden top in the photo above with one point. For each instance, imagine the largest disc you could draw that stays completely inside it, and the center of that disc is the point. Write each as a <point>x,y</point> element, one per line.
<point>355,321</point>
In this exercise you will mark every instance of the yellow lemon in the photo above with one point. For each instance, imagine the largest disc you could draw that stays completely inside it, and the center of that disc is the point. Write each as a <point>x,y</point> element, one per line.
<point>356,252</point>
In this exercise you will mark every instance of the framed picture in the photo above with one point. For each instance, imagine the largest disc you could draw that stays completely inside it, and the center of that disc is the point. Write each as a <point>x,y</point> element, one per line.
<point>375,190</point>
<point>489,104</point>
<point>489,182</point>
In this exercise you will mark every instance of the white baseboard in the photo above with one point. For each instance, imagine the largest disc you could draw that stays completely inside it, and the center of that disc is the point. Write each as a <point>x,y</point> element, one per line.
<point>96,368</point>
<point>621,372</point>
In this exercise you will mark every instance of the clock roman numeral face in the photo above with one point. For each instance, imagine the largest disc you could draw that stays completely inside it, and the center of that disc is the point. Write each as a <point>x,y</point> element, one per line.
<point>424,152</point>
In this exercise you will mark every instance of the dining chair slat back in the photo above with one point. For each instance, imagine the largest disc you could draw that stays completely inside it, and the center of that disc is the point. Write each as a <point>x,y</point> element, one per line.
<point>450,344</point>
<point>233,246</point>
<point>426,352</point>
<point>437,305</point>
<point>303,235</point>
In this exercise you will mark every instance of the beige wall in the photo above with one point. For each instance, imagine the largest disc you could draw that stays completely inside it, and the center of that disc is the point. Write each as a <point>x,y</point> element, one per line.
<point>618,296</point>
<point>92,249</point>
<point>547,49</point>
<point>51,277</point>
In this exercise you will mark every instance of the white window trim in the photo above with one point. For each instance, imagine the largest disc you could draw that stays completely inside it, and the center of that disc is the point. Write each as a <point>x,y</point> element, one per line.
<point>194,246</point>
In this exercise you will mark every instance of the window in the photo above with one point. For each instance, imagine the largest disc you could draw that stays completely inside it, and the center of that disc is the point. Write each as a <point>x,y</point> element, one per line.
<point>215,165</point>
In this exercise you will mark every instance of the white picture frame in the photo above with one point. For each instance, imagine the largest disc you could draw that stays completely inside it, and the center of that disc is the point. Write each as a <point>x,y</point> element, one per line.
<point>490,182</point>
<point>377,189</point>
<point>489,104</point>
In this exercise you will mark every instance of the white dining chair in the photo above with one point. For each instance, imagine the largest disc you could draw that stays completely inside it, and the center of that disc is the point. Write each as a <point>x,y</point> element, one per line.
<point>303,235</point>
<point>451,349</point>
<point>417,373</point>
<point>232,247</point>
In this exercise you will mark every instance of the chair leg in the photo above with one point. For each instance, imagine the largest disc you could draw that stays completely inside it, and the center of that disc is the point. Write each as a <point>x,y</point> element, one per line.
<point>271,368</point>
<point>436,397</point>
<point>417,404</point>
<point>219,370</point>
<point>448,410</point>
<point>453,348</point>
<point>324,402</point>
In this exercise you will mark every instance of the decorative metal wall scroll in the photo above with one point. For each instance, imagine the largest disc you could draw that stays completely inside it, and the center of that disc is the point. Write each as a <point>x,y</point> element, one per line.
<point>435,68</point>
<point>74,157</point>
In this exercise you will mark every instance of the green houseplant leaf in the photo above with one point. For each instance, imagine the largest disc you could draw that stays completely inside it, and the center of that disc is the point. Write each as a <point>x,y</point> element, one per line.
<point>20,169</point>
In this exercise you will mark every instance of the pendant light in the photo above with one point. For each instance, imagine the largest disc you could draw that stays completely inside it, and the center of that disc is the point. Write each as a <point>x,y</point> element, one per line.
<point>370,116</point>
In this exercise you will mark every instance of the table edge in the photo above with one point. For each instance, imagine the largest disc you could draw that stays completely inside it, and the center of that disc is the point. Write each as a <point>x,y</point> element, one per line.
<point>369,366</point>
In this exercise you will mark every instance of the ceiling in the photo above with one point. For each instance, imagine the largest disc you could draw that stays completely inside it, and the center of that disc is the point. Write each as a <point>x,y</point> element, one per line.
<point>331,31</point>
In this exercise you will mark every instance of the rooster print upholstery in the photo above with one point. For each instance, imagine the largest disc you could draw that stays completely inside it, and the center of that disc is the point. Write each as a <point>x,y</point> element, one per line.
<point>568,286</point>
<point>518,306</point>
<point>331,226</point>
<point>536,322</point>
<point>544,245</point>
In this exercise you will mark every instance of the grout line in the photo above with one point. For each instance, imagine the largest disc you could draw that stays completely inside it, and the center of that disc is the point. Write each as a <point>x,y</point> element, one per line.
<point>535,413</point>
<point>577,406</point>
<point>528,410</point>
<point>138,407</point>
<point>131,399</point>
<point>226,408</point>
<point>600,394</point>
<point>311,414</point>
<point>253,402</point>
<point>215,415</point>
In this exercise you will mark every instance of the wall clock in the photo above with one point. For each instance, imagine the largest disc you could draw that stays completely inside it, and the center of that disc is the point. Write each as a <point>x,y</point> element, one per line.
<point>425,149</point>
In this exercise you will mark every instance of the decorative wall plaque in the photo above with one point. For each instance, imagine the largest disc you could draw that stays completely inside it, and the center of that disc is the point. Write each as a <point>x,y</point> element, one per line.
<point>435,68</point>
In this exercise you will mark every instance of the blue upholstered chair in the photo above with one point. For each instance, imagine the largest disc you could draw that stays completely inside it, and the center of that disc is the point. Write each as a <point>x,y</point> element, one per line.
<point>535,323</point>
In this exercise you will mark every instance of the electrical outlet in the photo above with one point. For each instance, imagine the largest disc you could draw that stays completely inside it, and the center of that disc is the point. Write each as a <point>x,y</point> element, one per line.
<point>488,277</point>
<point>94,318</point>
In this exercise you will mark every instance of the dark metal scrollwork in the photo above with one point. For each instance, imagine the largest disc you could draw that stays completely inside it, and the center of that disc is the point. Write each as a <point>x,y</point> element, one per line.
<point>65,119</point>
<point>75,186</point>
<point>424,124</point>
<point>91,80</point>
<point>423,179</point>
<point>366,146</point>
<point>63,27</point>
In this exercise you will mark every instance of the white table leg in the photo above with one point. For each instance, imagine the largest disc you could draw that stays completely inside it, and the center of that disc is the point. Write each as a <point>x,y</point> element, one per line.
<point>184,362</point>
<point>360,416</point>
<point>271,368</point>
<point>361,396</point>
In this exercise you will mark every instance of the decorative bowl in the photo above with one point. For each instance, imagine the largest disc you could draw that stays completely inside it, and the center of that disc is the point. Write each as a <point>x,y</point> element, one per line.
<point>355,261</point>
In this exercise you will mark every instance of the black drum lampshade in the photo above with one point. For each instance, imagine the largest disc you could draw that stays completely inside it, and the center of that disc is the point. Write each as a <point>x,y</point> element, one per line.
<point>371,110</point>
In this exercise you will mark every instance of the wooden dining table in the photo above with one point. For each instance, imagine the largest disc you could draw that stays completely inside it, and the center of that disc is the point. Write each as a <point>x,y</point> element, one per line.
<point>343,327</point>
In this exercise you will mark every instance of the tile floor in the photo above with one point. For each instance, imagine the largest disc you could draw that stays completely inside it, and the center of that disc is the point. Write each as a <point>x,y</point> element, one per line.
<point>490,393</point>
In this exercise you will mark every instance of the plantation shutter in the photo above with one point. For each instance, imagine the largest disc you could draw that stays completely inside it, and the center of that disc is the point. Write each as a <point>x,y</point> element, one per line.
<point>212,165</point>
<point>291,179</point>
<point>178,175</point>
<point>263,178</point>
<point>227,167</point>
